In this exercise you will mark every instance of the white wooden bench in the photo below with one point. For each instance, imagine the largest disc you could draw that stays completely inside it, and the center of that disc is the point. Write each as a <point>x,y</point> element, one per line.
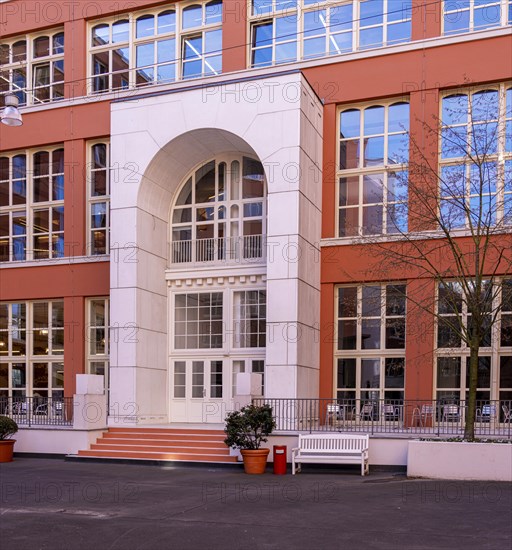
<point>333,448</point>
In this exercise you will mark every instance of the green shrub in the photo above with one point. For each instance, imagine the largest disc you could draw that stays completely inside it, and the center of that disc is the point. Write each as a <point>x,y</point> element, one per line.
<point>7,427</point>
<point>249,427</point>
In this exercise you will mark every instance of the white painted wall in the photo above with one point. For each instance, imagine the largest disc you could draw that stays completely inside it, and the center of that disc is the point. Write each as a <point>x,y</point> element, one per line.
<point>54,440</point>
<point>460,460</point>
<point>156,142</point>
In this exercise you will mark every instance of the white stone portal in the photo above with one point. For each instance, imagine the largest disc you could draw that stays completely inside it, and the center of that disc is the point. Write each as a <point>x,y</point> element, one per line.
<point>156,141</point>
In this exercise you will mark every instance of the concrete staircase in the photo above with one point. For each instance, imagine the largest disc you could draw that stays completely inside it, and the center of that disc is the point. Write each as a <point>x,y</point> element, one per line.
<point>172,444</point>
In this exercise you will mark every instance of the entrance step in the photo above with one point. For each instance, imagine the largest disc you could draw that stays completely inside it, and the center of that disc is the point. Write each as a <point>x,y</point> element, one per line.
<point>162,444</point>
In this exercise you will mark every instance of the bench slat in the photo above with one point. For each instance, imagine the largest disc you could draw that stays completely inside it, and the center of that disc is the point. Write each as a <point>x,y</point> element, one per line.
<point>333,449</point>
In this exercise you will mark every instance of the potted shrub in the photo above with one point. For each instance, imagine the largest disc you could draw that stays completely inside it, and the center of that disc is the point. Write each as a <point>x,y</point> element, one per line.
<point>246,430</point>
<point>7,429</point>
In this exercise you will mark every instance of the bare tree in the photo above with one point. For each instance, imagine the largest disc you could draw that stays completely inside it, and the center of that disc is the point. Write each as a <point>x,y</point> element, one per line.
<point>455,227</point>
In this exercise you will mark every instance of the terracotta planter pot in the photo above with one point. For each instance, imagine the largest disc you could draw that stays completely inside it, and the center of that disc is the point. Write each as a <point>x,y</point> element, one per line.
<point>255,461</point>
<point>6,450</point>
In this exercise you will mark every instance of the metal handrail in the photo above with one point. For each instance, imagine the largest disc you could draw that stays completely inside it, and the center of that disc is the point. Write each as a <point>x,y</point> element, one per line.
<point>247,248</point>
<point>38,411</point>
<point>425,416</point>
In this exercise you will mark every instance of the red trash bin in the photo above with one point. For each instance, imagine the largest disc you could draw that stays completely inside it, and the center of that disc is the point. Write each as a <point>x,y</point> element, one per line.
<point>280,459</point>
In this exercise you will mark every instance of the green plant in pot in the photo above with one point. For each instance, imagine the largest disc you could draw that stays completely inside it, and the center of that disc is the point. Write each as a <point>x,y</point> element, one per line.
<point>246,430</point>
<point>7,429</point>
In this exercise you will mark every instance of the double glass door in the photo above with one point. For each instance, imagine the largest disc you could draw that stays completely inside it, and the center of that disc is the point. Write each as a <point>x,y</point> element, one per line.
<point>198,392</point>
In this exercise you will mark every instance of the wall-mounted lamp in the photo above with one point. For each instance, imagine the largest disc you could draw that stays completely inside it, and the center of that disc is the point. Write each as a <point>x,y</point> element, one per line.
<point>11,115</point>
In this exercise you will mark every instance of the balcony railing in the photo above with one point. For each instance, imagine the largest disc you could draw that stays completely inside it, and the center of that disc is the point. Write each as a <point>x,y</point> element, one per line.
<point>232,250</point>
<point>493,418</point>
<point>38,411</point>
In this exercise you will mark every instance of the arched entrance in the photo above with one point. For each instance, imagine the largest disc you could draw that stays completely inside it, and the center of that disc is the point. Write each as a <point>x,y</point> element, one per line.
<point>158,143</point>
<point>217,288</point>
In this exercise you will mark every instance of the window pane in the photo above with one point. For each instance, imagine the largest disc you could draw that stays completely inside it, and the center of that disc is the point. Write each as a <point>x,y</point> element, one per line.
<point>373,120</point>
<point>346,373</point>
<point>192,17</point>
<point>213,12</point>
<point>370,334</point>
<point>371,305</point>
<point>167,22</point>
<point>58,43</point>
<point>347,302</point>
<point>394,373</point>
<point>350,154</point>
<point>370,376</point>
<point>347,334</point>
<point>42,46</point>
<point>455,109</point>
<point>448,372</point>
<point>40,371</point>
<point>395,334</point>
<point>120,31</point>
<point>100,35</point>
<point>145,26</point>
<point>395,300</point>
<point>448,332</point>
<point>506,372</point>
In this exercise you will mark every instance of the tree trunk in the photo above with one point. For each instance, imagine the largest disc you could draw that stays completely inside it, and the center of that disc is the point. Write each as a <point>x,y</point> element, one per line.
<point>469,428</point>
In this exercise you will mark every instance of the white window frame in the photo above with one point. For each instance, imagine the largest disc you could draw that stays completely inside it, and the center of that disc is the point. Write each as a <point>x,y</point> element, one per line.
<point>495,351</point>
<point>359,354</point>
<point>31,206</point>
<point>90,357</point>
<point>237,247</point>
<point>179,35</point>
<point>451,8</point>
<point>255,19</point>
<point>238,335</point>
<point>30,63</point>
<point>368,171</point>
<point>30,358</point>
<point>500,158</point>
<point>208,351</point>
<point>97,199</point>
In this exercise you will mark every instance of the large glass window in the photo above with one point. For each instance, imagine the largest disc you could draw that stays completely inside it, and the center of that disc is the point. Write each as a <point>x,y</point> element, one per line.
<point>97,342</point>
<point>99,198</point>
<point>32,67</point>
<point>250,313</point>
<point>452,355</point>
<point>32,205</point>
<point>461,16</point>
<point>476,158</point>
<point>370,348</point>
<point>372,176</point>
<point>220,213</point>
<point>284,31</point>
<point>156,47</point>
<point>198,320</point>
<point>32,349</point>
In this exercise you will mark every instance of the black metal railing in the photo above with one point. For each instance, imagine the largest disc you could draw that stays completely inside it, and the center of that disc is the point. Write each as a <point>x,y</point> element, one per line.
<point>38,411</point>
<point>429,417</point>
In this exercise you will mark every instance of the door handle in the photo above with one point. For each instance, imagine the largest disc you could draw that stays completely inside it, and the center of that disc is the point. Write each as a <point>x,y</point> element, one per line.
<point>204,392</point>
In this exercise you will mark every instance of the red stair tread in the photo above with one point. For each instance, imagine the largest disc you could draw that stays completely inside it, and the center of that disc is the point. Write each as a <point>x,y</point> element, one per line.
<point>161,442</point>
<point>170,444</point>
<point>144,435</point>
<point>157,456</point>
<point>169,430</point>
<point>180,450</point>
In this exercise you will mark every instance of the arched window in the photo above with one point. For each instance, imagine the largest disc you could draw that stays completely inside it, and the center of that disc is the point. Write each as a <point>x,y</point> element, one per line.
<point>220,213</point>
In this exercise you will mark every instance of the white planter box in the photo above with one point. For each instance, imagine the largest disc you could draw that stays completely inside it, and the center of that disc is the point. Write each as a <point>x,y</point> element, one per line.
<point>460,460</point>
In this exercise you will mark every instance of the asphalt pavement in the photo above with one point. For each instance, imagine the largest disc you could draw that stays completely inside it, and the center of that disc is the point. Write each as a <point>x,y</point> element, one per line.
<point>55,504</point>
